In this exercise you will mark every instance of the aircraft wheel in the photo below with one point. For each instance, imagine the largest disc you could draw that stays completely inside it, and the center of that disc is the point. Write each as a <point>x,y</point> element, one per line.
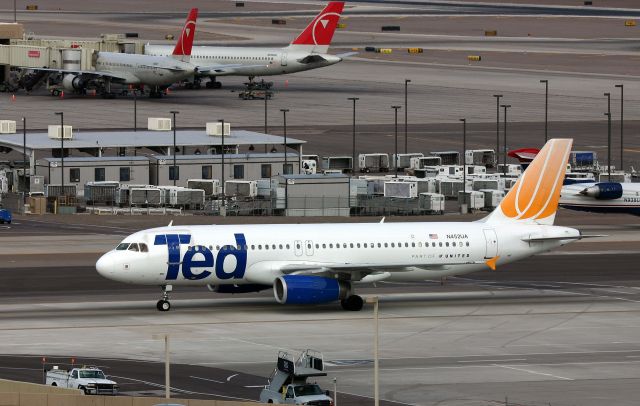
<point>163,305</point>
<point>353,303</point>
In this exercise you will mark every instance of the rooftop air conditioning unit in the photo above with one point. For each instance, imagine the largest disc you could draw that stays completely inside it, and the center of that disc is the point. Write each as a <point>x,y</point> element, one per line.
<point>159,124</point>
<point>56,134</point>
<point>215,129</point>
<point>7,127</point>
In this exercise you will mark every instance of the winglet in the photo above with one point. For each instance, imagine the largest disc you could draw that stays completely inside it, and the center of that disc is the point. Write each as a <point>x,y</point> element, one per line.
<point>183,47</point>
<point>319,33</point>
<point>492,262</point>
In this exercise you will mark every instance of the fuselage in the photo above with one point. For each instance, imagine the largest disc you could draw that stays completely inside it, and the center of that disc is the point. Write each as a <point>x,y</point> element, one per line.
<point>258,254</point>
<point>256,61</point>
<point>144,69</point>
<point>624,200</point>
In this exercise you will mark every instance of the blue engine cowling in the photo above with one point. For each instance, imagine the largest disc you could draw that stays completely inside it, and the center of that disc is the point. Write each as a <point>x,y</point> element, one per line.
<point>604,191</point>
<point>249,288</point>
<point>304,289</point>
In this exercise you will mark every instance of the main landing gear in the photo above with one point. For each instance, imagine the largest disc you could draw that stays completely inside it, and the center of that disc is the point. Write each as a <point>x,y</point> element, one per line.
<point>163,304</point>
<point>352,303</point>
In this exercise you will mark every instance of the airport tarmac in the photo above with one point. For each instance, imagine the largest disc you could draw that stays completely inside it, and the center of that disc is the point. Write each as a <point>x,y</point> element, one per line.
<point>557,328</point>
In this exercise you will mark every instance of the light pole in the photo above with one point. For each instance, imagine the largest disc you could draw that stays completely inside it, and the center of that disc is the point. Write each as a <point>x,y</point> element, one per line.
<point>608,114</point>
<point>61,114</point>
<point>353,158</point>
<point>135,110</point>
<point>406,108</point>
<point>546,108</point>
<point>284,170</point>
<point>464,151</point>
<point>621,86</point>
<point>24,159</point>
<point>265,113</point>
<point>504,147</point>
<point>222,160</point>
<point>497,96</point>
<point>167,380</point>
<point>376,334</point>
<point>396,138</point>
<point>175,168</point>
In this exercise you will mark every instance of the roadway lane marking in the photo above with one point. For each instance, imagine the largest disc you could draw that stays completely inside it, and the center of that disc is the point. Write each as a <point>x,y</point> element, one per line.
<point>230,377</point>
<point>495,360</point>
<point>533,372</point>
<point>157,385</point>
<point>205,379</point>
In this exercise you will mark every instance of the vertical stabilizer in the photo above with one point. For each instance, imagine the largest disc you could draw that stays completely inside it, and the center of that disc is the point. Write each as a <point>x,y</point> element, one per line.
<point>534,198</point>
<point>182,51</point>
<point>317,36</point>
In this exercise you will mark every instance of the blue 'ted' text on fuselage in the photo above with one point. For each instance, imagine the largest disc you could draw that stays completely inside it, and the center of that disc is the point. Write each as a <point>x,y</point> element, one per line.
<point>201,257</point>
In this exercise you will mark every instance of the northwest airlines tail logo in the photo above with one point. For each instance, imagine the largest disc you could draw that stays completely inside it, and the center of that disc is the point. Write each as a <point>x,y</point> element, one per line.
<point>536,194</point>
<point>320,30</point>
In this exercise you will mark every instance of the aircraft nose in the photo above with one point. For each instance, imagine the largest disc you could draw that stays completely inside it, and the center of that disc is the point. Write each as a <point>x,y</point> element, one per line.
<point>105,265</point>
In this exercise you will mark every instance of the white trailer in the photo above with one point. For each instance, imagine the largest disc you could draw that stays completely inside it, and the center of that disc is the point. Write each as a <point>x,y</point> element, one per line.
<point>373,162</point>
<point>405,190</point>
<point>211,187</point>
<point>90,380</point>
<point>492,198</point>
<point>402,161</point>
<point>420,162</point>
<point>482,157</point>
<point>473,199</point>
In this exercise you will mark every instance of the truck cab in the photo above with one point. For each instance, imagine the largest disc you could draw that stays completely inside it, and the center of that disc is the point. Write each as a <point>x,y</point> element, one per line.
<point>90,380</point>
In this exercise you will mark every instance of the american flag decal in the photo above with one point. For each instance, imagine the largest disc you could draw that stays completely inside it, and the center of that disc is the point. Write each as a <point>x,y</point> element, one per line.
<point>433,236</point>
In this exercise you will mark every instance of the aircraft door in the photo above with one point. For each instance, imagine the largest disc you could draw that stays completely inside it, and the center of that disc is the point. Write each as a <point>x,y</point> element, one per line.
<point>298,247</point>
<point>283,60</point>
<point>491,240</point>
<point>308,247</point>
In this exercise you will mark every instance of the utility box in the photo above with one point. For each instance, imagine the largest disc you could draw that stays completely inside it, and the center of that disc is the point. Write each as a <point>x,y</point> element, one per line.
<point>215,129</point>
<point>36,185</point>
<point>432,203</point>
<point>56,134</point>
<point>7,127</point>
<point>483,157</point>
<point>159,124</point>
<point>473,199</point>
<point>373,162</point>
<point>405,190</point>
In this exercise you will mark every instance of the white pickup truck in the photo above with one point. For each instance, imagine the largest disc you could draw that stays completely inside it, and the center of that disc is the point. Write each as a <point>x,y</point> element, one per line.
<point>90,380</point>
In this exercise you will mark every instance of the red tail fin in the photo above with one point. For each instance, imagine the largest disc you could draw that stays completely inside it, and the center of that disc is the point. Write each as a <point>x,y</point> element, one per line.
<point>185,42</point>
<point>319,32</point>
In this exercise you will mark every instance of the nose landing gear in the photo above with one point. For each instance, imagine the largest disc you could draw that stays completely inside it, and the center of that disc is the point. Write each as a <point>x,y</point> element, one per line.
<point>163,304</point>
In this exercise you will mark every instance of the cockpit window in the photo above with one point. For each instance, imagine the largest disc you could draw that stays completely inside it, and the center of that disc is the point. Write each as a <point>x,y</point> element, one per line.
<point>122,246</point>
<point>133,247</point>
<point>143,247</point>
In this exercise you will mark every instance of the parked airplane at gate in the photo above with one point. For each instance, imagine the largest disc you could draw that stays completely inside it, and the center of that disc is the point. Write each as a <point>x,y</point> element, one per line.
<point>602,197</point>
<point>307,51</point>
<point>321,263</point>
<point>158,72</point>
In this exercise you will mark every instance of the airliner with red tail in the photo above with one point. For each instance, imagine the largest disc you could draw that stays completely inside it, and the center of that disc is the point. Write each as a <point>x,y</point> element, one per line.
<point>323,263</point>
<point>307,51</point>
<point>155,72</point>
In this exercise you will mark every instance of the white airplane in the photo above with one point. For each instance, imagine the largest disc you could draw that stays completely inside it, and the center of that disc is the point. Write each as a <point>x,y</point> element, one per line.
<point>321,263</point>
<point>307,51</point>
<point>158,72</point>
<point>602,197</point>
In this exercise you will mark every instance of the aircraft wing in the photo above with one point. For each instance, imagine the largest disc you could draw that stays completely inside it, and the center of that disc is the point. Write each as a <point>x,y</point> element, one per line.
<point>95,73</point>
<point>315,268</point>
<point>223,68</point>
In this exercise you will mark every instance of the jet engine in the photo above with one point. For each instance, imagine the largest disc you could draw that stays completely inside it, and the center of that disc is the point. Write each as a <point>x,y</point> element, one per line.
<point>305,289</point>
<point>249,288</point>
<point>604,191</point>
<point>73,82</point>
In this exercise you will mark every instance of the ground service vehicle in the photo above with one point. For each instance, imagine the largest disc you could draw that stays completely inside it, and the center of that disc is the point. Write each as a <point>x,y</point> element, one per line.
<point>5,216</point>
<point>90,380</point>
<point>288,382</point>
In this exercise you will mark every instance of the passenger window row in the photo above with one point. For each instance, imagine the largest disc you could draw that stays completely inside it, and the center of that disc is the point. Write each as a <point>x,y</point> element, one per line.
<point>266,247</point>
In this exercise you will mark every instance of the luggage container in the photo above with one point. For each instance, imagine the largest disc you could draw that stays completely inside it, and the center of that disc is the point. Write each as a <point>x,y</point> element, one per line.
<point>373,162</point>
<point>159,124</point>
<point>52,190</point>
<point>450,188</point>
<point>342,163</point>
<point>241,188</point>
<point>476,170</point>
<point>453,171</point>
<point>123,192</point>
<point>473,199</point>
<point>482,157</point>
<point>184,197</point>
<point>211,187</point>
<point>427,172</point>
<point>265,186</point>
<point>427,185</point>
<point>510,169</point>
<point>375,184</point>
<point>492,198</point>
<point>424,161</point>
<point>432,203</point>
<point>494,184</point>
<point>403,161</point>
<point>448,157</point>
<point>100,192</point>
<point>146,197</point>
<point>405,190</point>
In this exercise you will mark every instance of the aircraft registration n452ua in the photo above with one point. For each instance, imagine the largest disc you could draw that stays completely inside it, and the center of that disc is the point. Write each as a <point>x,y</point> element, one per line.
<point>322,263</point>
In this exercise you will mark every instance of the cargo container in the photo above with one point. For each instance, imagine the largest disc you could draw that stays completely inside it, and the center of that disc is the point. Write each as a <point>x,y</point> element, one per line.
<point>401,189</point>
<point>211,187</point>
<point>432,203</point>
<point>450,188</point>
<point>476,170</point>
<point>7,127</point>
<point>56,190</point>
<point>341,163</point>
<point>473,199</point>
<point>123,194</point>
<point>403,161</point>
<point>376,162</point>
<point>100,192</point>
<point>146,197</point>
<point>426,185</point>
<point>448,157</point>
<point>482,183</point>
<point>159,124</point>
<point>241,188</point>
<point>510,169</point>
<point>422,162</point>
<point>483,157</point>
<point>492,198</point>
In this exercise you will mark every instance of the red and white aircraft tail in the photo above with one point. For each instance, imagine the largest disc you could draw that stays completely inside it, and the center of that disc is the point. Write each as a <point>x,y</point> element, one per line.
<point>319,33</point>
<point>182,51</point>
